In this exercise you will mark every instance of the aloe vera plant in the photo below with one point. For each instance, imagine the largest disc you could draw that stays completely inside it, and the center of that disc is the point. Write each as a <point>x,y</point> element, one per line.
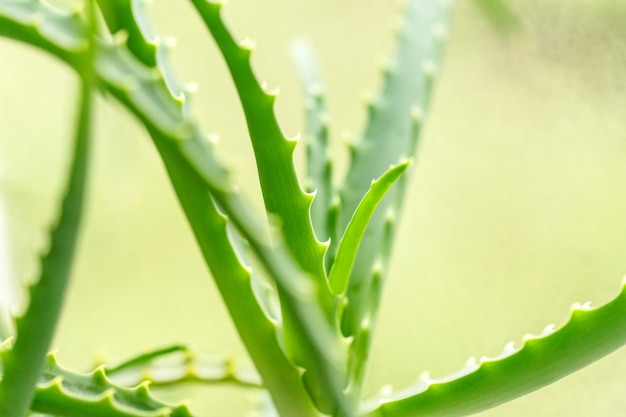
<point>302,281</point>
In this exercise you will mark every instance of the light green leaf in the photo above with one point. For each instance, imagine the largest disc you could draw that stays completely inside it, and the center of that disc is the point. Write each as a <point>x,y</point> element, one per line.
<point>273,151</point>
<point>232,277</point>
<point>129,16</point>
<point>349,244</point>
<point>179,364</point>
<point>391,133</point>
<point>318,162</point>
<point>35,328</point>
<point>590,334</point>
<point>63,392</point>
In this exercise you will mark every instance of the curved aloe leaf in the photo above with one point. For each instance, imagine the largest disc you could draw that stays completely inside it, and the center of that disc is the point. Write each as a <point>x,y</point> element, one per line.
<point>318,162</point>
<point>391,133</point>
<point>128,16</point>
<point>284,198</point>
<point>60,391</point>
<point>144,91</point>
<point>61,33</point>
<point>273,151</point>
<point>590,334</point>
<point>349,244</point>
<point>178,364</point>
<point>35,328</point>
<point>232,277</point>
<point>389,136</point>
<point>145,358</point>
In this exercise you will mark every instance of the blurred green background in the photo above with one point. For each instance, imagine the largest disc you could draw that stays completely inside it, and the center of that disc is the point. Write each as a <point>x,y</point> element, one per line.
<point>516,206</point>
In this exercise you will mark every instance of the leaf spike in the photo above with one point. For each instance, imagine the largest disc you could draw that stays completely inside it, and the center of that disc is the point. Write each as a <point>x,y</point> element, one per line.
<point>99,376</point>
<point>120,37</point>
<point>182,410</point>
<point>55,385</point>
<point>7,344</point>
<point>249,45</point>
<point>508,350</point>
<point>192,87</point>
<point>108,398</point>
<point>37,20</point>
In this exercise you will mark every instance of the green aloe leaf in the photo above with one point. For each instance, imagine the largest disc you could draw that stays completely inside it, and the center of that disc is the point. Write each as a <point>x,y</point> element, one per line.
<point>324,373</point>
<point>590,334</point>
<point>128,16</point>
<point>318,162</point>
<point>60,391</point>
<point>179,364</point>
<point>35,328</point>
<point>63,34</point>
<point>232,277</point>
<point>392,130</point>
<point>390,135</point>
<point>349,244</point>
<point>145,358</point>
<point>273,151</point>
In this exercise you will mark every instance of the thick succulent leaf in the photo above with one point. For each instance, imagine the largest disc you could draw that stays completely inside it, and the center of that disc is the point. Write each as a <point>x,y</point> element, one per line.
<point>35,328</point>
<point>128,16</point>
<point>178,364</point>
<point>394,122</point>
<point>145,93</point>
<point>590,334</point>
<point>54,30</point>
<point>285,199</point>
<point>63,392</point>
<point>233,280</point>
<point>318,163</point>
<point>349,244</point>
<point>146,358</point>
<point>390,135</point>
<point>282,193</point>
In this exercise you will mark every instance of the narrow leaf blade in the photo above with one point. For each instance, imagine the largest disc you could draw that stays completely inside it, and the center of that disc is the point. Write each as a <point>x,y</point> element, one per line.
<point>349,244</point>
<point>35,329</point>
<point>318,162</point>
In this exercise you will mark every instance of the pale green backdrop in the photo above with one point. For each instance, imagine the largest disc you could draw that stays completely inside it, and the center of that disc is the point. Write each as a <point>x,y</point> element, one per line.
<point>516,209</point>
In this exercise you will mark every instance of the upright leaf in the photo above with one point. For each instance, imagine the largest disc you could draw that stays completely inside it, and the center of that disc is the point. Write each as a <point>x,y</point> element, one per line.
<point>390,135</point>
<point>232,277</point>
<point>324,368</point>
<point>282,193</point>
<point>35,329</point>
<point>318,162</point>
<point>350,241</point>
